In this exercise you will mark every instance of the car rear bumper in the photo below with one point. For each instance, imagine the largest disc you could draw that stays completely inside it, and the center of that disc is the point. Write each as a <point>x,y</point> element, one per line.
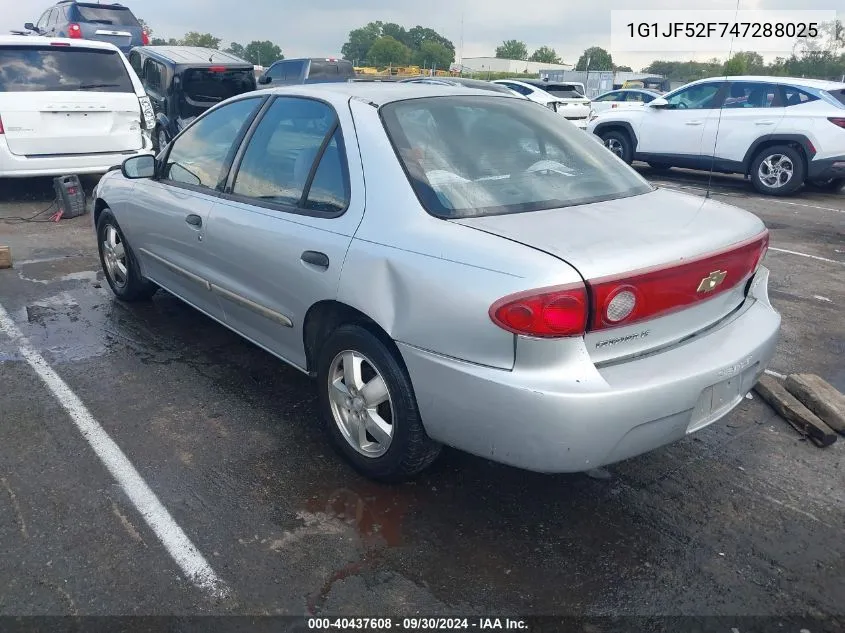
<point>540,417</point>
<point>826,168</point>
<point>14,166</point>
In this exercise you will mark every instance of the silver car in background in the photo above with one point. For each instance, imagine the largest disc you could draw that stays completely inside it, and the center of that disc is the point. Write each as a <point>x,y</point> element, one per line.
<point>454,267</point>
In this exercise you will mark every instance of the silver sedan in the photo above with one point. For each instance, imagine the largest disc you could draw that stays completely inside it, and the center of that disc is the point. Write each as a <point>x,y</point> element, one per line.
<point>453,267</point>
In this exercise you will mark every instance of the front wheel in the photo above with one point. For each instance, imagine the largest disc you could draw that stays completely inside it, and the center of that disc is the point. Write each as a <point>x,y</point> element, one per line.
<point>160,140</point>
<point>368,406</point>
<point>620,144</point>
<point>777,171</point>
<point>119,263</point>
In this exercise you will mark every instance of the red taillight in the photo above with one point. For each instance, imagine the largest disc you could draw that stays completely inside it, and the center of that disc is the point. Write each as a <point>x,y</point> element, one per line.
<point>545,312</point>
<point>145,38</point>
<point>840,121</point>
<point>1,126</point>
<point>657,292</point>
<point>217,69</point>
<point>74,31</point>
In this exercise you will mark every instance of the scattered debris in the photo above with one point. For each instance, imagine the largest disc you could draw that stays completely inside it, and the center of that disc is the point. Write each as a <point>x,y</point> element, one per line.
<point>5,257</point>
<point>819,397</point>
<point>821,298</point>
<point>799,417</point>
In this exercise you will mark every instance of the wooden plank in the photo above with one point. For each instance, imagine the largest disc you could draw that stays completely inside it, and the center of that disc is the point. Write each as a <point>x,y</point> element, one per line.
<point>790,409</point>
<point>5,257</point>
<point>819,397</point>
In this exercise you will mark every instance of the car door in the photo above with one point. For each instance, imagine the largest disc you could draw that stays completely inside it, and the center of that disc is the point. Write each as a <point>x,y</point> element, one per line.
<point>751,109</point>
<point>608,101</point>
<point>168,216</point>
<point>675,131</point>
<point>279,234</point>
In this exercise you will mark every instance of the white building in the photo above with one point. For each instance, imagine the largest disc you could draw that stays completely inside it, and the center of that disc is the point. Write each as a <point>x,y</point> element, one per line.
<point>498,65</point>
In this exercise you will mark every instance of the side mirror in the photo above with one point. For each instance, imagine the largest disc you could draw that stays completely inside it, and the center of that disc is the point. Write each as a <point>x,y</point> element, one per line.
<point>660,102</point>
<point>29,26</point>
<point>139,167</point>
<point>264,80</point>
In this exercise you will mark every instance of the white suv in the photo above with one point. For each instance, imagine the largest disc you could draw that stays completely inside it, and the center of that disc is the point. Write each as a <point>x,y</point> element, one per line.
<point>68,107</point>
<point>778,131</point>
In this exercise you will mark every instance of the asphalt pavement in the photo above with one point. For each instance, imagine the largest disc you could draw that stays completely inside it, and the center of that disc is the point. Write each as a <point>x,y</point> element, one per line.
<point>741,518</point>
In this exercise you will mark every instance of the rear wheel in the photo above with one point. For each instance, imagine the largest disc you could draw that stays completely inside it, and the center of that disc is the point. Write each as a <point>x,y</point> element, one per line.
<point>160,140</point>
<point>777,171</point>
<point>368,405</point>
<point>619,143</point>
<point>119,264</point>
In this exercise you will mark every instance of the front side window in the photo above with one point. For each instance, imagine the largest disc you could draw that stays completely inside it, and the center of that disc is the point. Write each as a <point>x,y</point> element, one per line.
<point>475,156</point>
<point>278,164</point>
<point>42,21</point>
<point>746,94</point>
<point>201,156</point>
<point>697,97</point>
<point>293,70</point>
<point>153,77</point>
<point>635,97</point>
<point>62,69</point>
<point>135,62</point>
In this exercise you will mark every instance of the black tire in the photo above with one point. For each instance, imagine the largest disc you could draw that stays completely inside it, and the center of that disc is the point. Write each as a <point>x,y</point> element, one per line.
<point>624,149</point>
<point>133,287</point>
<point>832,185</point>
<point>660,166</point>
<point>159,140</point>
<point>410,450</point>
<point>790,186</point>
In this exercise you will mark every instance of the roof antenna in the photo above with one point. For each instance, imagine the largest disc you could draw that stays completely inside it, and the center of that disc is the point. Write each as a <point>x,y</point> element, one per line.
<point>721,107</point>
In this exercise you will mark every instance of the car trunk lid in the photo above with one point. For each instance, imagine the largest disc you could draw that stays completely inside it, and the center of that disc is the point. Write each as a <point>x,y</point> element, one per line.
<point>686,260</point>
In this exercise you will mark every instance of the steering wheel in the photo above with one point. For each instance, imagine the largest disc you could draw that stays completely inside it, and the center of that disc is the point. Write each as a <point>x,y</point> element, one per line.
<point>682,105</point>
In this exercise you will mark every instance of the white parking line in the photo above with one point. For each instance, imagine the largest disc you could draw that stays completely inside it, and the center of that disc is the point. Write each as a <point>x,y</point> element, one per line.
<point>177,544</point>
<point>715,191</point>
<point>821,259</point>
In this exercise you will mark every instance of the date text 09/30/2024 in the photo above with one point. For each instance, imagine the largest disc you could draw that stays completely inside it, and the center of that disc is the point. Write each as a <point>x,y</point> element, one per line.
<point>417,624</point>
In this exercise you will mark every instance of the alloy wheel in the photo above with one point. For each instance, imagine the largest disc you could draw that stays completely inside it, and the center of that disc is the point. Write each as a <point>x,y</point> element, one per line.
<point>776,171</point>
<point>114,256</point>
<point>615,146</point>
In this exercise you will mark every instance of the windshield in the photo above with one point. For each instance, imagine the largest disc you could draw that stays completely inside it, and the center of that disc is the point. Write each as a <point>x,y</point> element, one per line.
<point>62,69</point>
<point>104,14</point>
<point>203,88</point>
<point>475,156</point>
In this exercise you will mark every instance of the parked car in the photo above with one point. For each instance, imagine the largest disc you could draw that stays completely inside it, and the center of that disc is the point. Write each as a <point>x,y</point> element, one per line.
<point>68,107</point>
<point>656,84</point>
<point>577,114</point>
<point>454,268</point>
<point>307,71</point>
<point>112,23</point>
<point>574,105</point>
<point>622,99</point>
<point>478,84</point>
<point>185,81</point>
<point>778,131</point>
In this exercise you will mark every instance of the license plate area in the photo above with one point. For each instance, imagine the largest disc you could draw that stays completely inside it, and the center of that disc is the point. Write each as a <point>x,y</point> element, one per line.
<point>716,400</point>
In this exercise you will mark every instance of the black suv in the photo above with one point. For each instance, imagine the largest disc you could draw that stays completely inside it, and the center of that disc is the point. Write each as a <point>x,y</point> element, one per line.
<point>112,23</point>
<point>307,70</point>
<point>184,81</point>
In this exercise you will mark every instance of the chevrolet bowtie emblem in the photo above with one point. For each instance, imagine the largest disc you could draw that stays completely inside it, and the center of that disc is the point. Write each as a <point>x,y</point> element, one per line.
<point>711,281</point>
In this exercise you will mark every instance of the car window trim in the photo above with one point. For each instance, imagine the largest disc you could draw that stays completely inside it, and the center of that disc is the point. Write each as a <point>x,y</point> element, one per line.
<point>216,191</point>
<point>228,194</point>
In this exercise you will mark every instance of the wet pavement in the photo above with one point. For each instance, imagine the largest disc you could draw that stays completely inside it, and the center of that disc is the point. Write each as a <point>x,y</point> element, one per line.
<point>742,518</point>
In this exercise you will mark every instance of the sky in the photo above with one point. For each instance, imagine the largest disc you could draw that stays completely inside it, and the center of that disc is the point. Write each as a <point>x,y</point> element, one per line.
<point>320,27</point>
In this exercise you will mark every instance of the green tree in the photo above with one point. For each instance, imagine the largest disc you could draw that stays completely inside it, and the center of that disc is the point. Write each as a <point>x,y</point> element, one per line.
<point>360,42</point>
<point>545,54</point>
<point>420,34</point>
<point>599,59</point>
<point>145,26</point>
<point>435,54</point>
<point>237,50</point>
<point>623,69</point>
<point>262,53</point>
<point>397,32</point>
<point>512,49</point>
<point>754,63</point>
<point>736,65</point>
<point>160,41</point>
<point>205,40</point>
<point>388,51</point>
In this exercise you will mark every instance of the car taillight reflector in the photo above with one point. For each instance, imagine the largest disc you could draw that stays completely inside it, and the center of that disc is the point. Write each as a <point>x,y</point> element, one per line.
<point>145,38</point>
<point>546,312</point>
<point>840,121</point>
<point>74,32</point>
<point>660,291</point>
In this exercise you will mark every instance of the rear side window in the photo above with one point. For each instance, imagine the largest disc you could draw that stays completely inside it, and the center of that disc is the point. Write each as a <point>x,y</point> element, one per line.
<point>62,69</point>
<point>104,14</point>
<point>203,88</point>
<point>744,94</point>
<point>323,70</point>
<point>795,96</point>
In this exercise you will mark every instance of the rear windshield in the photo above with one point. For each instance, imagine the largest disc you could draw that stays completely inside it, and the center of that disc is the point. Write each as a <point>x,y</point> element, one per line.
<point>475,156</point>
<point>104,14</point>
<point>839,95</point>
<point>322,69</point>
<point>203,88</point>
<point>564,92</point>
<point>62,69</point>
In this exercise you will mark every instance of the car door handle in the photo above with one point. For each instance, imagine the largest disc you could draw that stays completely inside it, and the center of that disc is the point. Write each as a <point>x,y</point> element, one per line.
<point>764,123</point>
<point>315,258</point>
<point>194,220</point>
<point>694,122</point>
